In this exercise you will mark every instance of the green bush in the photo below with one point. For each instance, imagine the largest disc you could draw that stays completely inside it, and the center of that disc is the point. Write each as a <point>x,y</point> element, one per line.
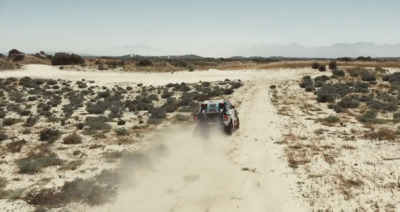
<point>98,123</point>
<point>144,62</point>
<point>49,135</point>
<point>3,136</point>
<point>369,116</point>
<point>332,119</point>
<point>10,121</point>
<point>121,131</point>
<point>61,58</point>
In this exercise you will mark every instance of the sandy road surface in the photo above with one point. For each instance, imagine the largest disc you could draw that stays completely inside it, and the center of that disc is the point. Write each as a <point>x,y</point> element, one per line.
<point>178,172</point>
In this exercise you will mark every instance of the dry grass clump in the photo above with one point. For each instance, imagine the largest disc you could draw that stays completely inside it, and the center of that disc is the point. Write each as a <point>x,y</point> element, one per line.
<point>121,131</point>
<point>381,134</point>
<point>73,138</point>
<point>35,162</point>
<point>72,165</point>
<point>16,146</point>
<point>94,191</point>
<point>294,162</point>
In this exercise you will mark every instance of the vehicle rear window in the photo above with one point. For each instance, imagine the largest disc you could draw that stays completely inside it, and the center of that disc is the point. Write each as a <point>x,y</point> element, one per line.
<point>212,108</point>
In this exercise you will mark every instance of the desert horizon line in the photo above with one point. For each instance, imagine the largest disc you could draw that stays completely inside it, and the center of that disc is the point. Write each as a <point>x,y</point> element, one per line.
<point>138,47</point>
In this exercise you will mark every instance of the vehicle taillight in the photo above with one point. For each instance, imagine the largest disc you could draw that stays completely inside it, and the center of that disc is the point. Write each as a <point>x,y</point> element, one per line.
<point>195,118</point>
<point>225,117</point>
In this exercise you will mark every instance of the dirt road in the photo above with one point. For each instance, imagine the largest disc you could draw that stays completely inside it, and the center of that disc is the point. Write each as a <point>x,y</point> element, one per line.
<point>175,171</point>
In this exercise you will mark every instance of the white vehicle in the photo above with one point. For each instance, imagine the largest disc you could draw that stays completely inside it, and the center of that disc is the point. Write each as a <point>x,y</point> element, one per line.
<point>217,113</point>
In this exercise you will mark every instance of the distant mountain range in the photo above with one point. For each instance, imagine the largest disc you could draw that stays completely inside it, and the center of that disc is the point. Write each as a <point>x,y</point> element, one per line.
<point>295,50</point>
<point>292,50</point>
<point>333,51</point>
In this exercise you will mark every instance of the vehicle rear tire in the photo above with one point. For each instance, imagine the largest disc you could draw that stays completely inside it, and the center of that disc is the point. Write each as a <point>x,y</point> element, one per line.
<point>229,129</point>
<point>238,122</point>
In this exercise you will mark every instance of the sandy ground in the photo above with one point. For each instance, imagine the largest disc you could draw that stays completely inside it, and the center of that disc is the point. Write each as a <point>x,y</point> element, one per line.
<point>178,172</point>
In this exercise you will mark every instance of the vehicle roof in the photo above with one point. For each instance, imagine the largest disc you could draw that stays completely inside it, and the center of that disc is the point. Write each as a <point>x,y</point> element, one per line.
<point>213,101</point>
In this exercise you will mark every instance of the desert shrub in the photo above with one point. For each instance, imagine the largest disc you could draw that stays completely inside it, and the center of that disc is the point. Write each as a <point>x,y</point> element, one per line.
<point>366,98</point>
<point>205,84</point>
<point>10,80</point>
<point>80,126</point>
<point>16,146</point>
<point>3,136</point>
<point>186,98</point>
<point>179,63</point>
<point>61,58</point>
<point>328,93</point>
<point>140,103</point>
<point>3,114</point>
<point>153,97</point>
<point>338,73</point>
<point>32,98</point>
<point>348,102</point>
<point>157,113</point>
<point>360,87</point>
<point>332,119</point>
<point>73,138</point>
<point>322,68</point>
<point>144,62</point>
<point>97,123</point>
<point>183,87</point>
<point>121,122</point>
<point>25,113</point>
<point>104,94</point>
<point>381,134</point>
<point>385,78</point>
<point>170,106</point>
<point>30,121</point>
<point>315,65</point>
<point>396,117</point>
<point>51,82</point>
<point>356,72</point>
<point>35,162</point>
<point>332,65</point>
<point>228,91</point>
<point>10,121</point>
<point>336,108</point>
<point>369,116</point>
<point>98,108</point>
<point>81,85</point>
<point>385,96</point>
<point>236,84</point>
<point>87,191</point>
<point>166,95</point>
<point>378,105</point>
<point>368,77</point>
<point>24,81</point>
<point>16,96</point>
<point>183,118</point>
<point>307,84</point>
<point>121,131</point>
<point>14,52</point>
<point>322,78</point>
<point>49,135</point>
<point>318,84</point>
<point>46,197</point>
<point>18,58</point>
